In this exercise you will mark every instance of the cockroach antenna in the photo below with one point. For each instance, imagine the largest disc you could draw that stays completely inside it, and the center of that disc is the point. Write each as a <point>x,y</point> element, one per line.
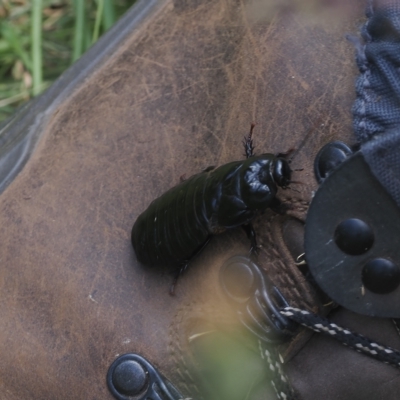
<point>287,154</point>
<point>248,142</point>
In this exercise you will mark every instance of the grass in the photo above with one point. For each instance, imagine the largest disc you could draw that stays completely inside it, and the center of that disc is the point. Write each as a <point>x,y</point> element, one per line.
<point>39,39</point>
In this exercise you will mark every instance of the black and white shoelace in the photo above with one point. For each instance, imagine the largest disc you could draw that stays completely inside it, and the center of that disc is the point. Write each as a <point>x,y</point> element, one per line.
<point>319,324</point>
<point>348,338</point>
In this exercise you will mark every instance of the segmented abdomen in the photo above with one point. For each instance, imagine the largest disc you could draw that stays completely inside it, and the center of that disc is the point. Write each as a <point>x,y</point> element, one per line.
<point>174,226</point>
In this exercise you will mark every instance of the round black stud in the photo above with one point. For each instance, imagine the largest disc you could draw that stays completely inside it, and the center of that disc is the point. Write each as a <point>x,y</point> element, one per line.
<point>329,158</point>
<point>381,276</point>
<point>237,278</point>
<point>131,376</point>
<point>353,236</point>
<point>127,376</point>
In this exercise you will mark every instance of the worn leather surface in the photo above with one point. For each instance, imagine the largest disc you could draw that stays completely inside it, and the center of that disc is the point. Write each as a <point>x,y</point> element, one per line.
<point>176,96</point>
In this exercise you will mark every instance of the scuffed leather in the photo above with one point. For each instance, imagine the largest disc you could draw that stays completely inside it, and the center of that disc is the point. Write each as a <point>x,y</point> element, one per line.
<point>175,97</point>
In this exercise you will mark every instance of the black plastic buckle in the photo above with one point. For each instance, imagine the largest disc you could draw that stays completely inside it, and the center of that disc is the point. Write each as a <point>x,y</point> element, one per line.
<point>132,377</point>
<point>257,301</point>
<point>352,238</point>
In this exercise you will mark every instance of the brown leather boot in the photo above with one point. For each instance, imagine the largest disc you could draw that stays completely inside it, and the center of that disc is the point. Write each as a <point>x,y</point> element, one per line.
<point>170,90</point>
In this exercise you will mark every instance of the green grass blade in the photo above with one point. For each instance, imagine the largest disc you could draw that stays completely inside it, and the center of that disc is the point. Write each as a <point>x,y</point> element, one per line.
<point>36,33</point>
<point>99,14</point>
<point>79,6</point>
<point>109,17</point>
<point>13,40</point>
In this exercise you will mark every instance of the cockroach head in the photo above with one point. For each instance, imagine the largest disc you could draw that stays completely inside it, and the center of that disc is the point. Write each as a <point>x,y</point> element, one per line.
<point>258,185</point>
<point>282,172</point>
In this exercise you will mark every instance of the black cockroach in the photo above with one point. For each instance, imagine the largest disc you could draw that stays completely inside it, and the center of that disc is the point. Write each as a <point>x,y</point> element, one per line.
<point>178,225</point>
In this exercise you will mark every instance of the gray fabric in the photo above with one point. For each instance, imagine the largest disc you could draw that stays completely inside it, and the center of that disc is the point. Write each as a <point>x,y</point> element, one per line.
<point>382,153</point>
<point>377,107</point>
